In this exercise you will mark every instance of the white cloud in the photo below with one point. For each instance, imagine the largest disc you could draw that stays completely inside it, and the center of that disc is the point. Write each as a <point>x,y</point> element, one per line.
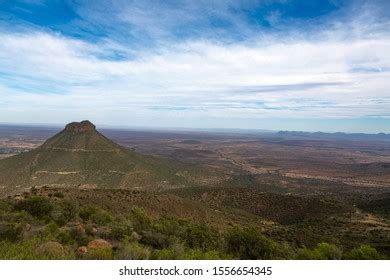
<point>42,74</point>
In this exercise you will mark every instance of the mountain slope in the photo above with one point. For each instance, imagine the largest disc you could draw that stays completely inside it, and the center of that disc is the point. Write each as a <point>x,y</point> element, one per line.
<point>79,156</point>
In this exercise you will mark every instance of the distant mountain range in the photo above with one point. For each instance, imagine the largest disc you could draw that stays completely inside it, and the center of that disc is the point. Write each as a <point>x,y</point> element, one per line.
<point>337,135</point>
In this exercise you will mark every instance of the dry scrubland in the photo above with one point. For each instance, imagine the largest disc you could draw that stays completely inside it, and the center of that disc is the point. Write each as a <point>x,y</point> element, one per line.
<point>186,195</point>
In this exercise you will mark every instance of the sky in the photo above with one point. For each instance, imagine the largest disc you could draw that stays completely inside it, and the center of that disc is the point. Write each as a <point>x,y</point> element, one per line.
<point>310,65</point>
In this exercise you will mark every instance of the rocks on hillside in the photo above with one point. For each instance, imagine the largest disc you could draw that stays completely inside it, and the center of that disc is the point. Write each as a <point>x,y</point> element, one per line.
<point>82,250</point>
<point>98,243</point>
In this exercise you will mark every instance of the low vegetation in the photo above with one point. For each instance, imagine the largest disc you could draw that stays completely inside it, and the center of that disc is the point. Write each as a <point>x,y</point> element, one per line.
<point>55,227</point>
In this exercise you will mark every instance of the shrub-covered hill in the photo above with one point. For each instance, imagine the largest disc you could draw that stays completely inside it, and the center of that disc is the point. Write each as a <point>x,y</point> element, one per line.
<point>79,156</point>
<point>60,224</point>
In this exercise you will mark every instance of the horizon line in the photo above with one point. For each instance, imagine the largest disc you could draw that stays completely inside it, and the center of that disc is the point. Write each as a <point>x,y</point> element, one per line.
<point>188,129</point>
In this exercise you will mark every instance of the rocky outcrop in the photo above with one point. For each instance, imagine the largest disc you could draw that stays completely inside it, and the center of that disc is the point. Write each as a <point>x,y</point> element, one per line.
<point>98,244</point>
<point>80,127</point>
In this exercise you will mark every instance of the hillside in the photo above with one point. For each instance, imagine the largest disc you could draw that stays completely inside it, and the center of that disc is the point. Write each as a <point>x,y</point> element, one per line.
<point>80,156</point>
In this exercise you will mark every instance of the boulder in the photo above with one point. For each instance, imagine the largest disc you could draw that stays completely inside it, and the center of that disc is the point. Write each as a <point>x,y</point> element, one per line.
<point>98,243</point>
<point>81,250</point>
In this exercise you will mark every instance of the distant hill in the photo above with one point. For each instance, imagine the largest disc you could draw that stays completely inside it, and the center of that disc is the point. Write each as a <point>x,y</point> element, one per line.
<point>337,135</point>
<point>80,156</point>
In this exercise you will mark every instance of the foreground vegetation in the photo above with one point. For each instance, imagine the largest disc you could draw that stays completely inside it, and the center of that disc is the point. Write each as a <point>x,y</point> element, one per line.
<point>56,227</point>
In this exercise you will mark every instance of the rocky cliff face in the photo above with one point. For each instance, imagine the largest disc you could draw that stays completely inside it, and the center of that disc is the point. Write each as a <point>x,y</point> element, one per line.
<point>80,127</point>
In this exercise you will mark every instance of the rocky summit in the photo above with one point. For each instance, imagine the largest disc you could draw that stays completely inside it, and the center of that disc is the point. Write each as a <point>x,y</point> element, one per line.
<point>80,127</point>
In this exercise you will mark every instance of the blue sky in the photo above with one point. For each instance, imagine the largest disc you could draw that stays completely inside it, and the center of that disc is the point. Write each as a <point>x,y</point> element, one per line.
<point>271,64</point>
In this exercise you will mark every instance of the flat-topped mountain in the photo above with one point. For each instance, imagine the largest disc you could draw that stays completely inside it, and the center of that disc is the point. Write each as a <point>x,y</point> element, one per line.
<point>81,136</point>
<point>80,156</point>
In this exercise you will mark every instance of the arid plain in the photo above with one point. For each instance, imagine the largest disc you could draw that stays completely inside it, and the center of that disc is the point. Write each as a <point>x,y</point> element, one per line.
<point>299,188</point>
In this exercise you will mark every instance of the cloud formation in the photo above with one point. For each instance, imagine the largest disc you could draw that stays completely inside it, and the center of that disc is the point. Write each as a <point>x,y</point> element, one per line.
<point>339,69</point>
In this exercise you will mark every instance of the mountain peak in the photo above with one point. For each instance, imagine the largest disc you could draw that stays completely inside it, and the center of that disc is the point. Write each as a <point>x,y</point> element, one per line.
<point>78,156</point>
<point>79,127</point>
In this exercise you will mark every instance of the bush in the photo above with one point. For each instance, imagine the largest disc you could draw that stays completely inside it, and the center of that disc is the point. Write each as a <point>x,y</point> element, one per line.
<point>329,251</point>
<point>174,252</point>
<point>140,220</point>
<point>120,231</point>
<point>10,231</point>
<point>307,254</point>
<point>196,254</point>
<point>64,211</point>
<point>156,240</point>
<point>86,212</point>
<point>64,237</point>
<point>18,250</point>
<point>323,251</point>
<point>99,254</point>
<point>101,217</point>
<point>33,249</point>
<point>249,243</point>
<point>51,229</point>
<point>364,252</point>
<point>133,251</point>
<point>51,250</point>
<point>78,234</point>
<point>283,251</point>
<point>96,215</point>
<point>35,205</point>
<point>200,236</point>
<point>169,226</point>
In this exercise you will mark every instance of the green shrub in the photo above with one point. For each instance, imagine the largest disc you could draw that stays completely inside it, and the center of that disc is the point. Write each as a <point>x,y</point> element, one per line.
<point>156,240</point>
<point>37,206</point>
<point>169,226</point>
<point>86,212</point>
<point>64,237</point>
<point>323,251</point>
<point>132,251</point>
<point>19,250</point>
<point>174,252</point>
<point>52,250</point>
<point>101,217</point>
<point>307,254</point>
<point>99,254</point>
<point>200,236</point>
<point>33,249</point>
<point>10,231</point>
<point>64,211</point>
<point>196,254</point>
<point>95,215</point>
<point>283,251</point>
<point>249,243</point>
<point>364,252</point>
<point>51,229</point>
<point>329,251</point>
<point>140,220</point>
<point>121,230</point>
